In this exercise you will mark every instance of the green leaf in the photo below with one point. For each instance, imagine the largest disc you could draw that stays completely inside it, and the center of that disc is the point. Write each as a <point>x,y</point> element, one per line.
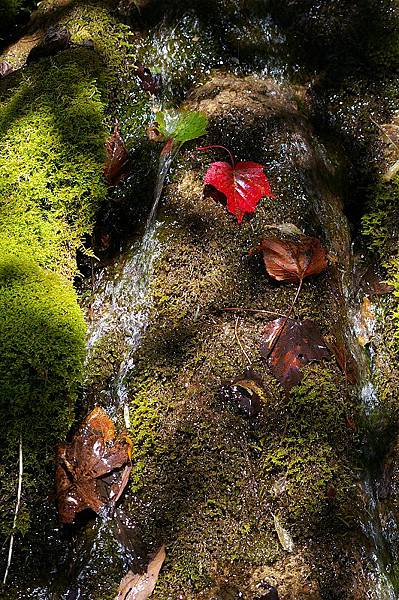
<point>182,126</point>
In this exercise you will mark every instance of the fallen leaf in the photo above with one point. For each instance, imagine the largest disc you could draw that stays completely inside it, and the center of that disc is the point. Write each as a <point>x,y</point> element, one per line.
<point>243,184</point>
<point>117,160</point>
<point>345,360</point>
<point>135,586</point>
<point>93,470</point>
<point>283,535</point>
<point>246,392</point>
<point>292,261</point>
<point>298,343</point>
<point>371,281</point>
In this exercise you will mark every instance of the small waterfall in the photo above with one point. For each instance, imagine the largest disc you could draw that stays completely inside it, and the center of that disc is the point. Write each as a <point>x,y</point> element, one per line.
<point>123,303</point>
<point>362,329</point>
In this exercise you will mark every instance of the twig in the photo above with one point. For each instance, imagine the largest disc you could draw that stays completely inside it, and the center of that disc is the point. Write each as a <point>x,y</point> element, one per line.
<point>254,310</point>
<point>21,470</point>
<point>384,132</point>
<point>239,342</point>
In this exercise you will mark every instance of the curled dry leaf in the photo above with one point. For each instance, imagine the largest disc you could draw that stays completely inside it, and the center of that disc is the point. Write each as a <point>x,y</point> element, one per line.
<point>298,343</point>
<point>5,68</point>
<point>246,392</point>
<point>243,184</point>
<point>93,470</point>
<point>136,586</point>
<point>292,261</point>
<point>344,358</point>
<point>283,535</point>
<point>117,161</point>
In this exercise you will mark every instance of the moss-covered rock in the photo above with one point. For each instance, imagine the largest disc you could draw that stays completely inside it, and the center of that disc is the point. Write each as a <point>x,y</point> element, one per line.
<point>206,481</point>
<point>53,129</point>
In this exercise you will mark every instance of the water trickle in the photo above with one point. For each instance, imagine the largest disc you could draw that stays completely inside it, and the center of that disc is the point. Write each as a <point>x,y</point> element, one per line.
<point>122,303</point>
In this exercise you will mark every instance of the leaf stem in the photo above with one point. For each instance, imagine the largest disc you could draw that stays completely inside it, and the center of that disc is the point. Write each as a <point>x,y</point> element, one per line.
<point>239,342</point>
<point>233,162</point>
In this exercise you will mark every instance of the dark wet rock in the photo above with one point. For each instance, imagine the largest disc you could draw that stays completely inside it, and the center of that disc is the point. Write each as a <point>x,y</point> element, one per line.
<point>5,69</point>
<point>88,44</point>
<point>267,592</point>
<point>245,392</point>
<point>55,40</point>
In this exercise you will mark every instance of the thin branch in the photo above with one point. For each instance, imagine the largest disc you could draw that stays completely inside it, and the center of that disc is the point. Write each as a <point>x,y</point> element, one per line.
<point>19,492</point>
<point>384,132</point>
<point>254,310</point>
<point>239,342</point>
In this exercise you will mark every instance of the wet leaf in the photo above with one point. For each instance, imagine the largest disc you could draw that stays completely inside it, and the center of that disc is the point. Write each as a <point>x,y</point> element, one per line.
<point>283,535</point>
<point>117,161</point>
<point>135,586</point>
<point>243,184</point>
<point>299,343</point>
<point>292,261</point>
<point>181,126</point>
<point>344,358</point>
<point>245,392</point>
<point>371,281</point>
<point>93,470</point>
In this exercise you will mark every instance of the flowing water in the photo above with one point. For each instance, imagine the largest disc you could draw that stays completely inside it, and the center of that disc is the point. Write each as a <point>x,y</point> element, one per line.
<point>123,303</point>
<point>122,293</point>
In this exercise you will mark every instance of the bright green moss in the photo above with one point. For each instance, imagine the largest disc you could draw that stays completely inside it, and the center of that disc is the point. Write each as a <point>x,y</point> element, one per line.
<point>380,226</point>
<point>51,159</point>
<point>42,346</point>
<point>52,151</point>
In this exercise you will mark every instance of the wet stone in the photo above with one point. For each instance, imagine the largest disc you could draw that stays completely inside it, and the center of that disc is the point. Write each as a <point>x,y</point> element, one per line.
<point>55,40</point>
<point>5,69</point>
<point>267,592</point>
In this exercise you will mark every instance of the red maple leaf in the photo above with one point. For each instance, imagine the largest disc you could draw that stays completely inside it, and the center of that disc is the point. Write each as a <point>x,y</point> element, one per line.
<point>243,184</point>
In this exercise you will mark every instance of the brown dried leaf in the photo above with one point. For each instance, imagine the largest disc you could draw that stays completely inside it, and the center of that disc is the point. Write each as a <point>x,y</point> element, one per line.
<point>117,160</point>
<point>345,360</point>
<point>135,586</point>
<point>93,469</point>
<point>292,261</point>
<point>299,343</point>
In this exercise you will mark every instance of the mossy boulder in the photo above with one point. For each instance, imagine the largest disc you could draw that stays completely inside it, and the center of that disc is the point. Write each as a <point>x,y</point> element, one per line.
<point>53,129</point>
<point>205,480</point>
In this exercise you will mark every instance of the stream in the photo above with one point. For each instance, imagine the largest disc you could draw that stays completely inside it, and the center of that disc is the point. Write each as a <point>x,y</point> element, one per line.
<point>260,95</point>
